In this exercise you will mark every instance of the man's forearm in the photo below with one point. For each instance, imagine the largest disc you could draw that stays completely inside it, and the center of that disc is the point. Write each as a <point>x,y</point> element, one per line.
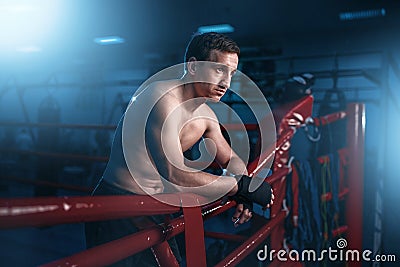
<point>203,183</point>
<point>236,166</point>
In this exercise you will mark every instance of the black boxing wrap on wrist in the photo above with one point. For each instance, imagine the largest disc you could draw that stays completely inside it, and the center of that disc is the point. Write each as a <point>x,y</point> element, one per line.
<point>262,195</point>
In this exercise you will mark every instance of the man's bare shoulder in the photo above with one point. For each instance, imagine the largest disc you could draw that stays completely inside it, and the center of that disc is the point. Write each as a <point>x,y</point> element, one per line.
<point>160,98</point>
<point>161,89</point>
<point>206,110</point>
<point>157,94</point>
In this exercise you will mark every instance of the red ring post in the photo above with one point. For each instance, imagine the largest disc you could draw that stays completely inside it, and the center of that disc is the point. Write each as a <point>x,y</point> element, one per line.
<point>354,203</point>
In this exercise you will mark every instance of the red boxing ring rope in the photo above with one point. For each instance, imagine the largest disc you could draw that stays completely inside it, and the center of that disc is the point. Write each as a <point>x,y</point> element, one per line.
<point>46,211</point>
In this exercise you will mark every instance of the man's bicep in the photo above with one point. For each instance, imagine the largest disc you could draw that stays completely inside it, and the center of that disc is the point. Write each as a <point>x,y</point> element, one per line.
<point>223,151</point>
<point>224,154</point>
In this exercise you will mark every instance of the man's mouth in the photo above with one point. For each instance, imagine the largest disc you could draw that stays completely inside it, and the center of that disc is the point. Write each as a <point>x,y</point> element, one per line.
<point>221,90</point>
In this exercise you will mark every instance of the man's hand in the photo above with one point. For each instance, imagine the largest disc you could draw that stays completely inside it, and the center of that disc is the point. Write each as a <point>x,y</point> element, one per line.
<point>244,211</point>
<point>241,215</point>
<point>263,196</point>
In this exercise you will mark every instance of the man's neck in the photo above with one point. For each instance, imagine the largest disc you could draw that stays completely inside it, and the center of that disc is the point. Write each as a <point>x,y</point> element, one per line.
<point>189,97</point>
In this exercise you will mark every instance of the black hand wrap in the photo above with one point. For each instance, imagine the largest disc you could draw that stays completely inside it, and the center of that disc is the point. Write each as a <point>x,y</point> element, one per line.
<point>247,204</point>
<point>262,195</point>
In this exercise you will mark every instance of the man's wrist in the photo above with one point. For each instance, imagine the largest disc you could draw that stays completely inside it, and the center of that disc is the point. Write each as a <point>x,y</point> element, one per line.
<point>225,172</point>
<point>233,191</point>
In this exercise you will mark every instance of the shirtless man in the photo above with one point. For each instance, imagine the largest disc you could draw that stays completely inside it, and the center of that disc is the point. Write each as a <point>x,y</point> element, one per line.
<point>166,118</point>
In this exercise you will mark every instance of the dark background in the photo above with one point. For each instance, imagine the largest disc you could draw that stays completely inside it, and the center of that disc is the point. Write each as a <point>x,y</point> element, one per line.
<point>90,83</point>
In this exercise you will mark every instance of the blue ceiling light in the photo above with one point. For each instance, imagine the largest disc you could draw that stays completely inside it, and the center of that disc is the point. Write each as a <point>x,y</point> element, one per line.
<point>220,28</point>
<point>109,40</point>
<point>363,14</point>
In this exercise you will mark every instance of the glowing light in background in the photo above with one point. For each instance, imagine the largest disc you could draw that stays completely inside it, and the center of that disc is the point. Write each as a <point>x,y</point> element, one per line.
<point>109,40</point>
<point>24,23</point>
<point>220,28</point>
<point>28,49</point>
<point>364,14</point>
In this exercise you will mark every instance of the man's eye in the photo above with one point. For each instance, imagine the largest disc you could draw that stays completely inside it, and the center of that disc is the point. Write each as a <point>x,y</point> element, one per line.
<point>220,70</point>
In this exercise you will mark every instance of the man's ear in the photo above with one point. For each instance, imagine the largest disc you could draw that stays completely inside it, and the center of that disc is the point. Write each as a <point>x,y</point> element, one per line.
<point>191,65</point>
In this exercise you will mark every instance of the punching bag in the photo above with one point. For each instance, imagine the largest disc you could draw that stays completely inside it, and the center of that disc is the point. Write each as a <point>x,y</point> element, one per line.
<point>47,141</point>
<point>333,136</point>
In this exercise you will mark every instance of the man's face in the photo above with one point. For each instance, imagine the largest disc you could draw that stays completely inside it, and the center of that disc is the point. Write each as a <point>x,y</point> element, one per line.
<point>218,73</point>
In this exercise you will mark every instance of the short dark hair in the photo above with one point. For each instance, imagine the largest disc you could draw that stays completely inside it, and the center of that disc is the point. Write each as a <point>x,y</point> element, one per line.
<point>201,45</point>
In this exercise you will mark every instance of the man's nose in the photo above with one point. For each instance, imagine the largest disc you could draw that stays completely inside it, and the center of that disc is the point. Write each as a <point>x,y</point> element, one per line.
<point>226,82</point>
